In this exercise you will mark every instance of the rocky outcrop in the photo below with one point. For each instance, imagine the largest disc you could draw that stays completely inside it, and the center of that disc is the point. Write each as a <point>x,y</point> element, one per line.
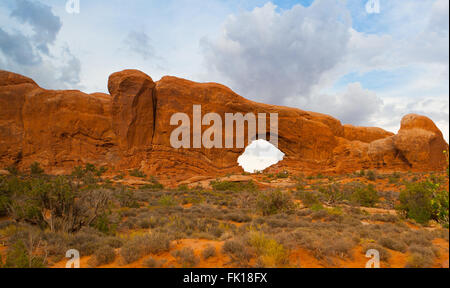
<point>130,128</point>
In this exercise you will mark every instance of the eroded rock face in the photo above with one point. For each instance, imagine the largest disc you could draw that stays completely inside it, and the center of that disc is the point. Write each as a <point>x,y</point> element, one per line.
<point>130,128</point>
<point>421,143</point>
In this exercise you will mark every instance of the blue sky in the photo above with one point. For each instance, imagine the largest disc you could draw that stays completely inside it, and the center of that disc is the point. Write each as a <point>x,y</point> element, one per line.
<point>321,55</point>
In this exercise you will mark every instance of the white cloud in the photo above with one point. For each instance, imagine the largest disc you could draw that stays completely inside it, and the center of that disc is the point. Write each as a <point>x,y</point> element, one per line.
<point>355,105</point>
<point>269,56</point>
<point>29,48</point>
<point>294,57</point>
<point>140,43</point>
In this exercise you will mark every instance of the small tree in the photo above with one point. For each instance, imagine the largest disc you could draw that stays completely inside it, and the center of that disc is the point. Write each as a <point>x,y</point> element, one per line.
<point>366,196</point>
<point>57,204</point>
<point>425,201</point>
<point>35,169</point>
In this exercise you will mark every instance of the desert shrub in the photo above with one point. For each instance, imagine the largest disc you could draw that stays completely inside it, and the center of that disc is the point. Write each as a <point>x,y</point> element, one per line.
<point>104,224</point>
<point>419,260</point>
<point>394,178</point>
<point>88,174</point>
<point>308,198</point>
<point>126,198</point>
<point>438,233</point>
<point>340,247</point>
<point>388,218</point>
<point>274,202</point>
<point>233,186</point>
<point>26,247</point>
<point>283,175</point>
<point>131,253</point>
<point>183,187</point>
<point>137,173</point>
<point>237,251</point>
<point>144,224</point>
<point>102,256</point>
<point>365,196</point>
<point>13,170</point>
<point>319,213</point>
<point>153,263</point>
<point>113,242</point>
<point>419,237</point>
<point>87,241</point>
<point>393,244</point>
<point>270,252</point>
<point>186,257</point>
<point>56,203</point>
<point>425,201</point>
<point>332,194</point>
<point>5,194</point>
<point>154,184</point>
<point>167,201</point>
<point>56,244</point>
<point>208,252</point>
<point>428,252</point>
<point>141,245</point>
<point>35,169</point>
<point>371,175</point>
<point>18,256</point>
<point>238,217</point>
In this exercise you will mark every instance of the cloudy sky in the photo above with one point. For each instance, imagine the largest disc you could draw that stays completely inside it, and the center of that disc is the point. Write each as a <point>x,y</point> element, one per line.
<point>327,56</point>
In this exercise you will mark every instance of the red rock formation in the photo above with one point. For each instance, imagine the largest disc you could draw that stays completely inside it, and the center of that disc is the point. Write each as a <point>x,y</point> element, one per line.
<point>130,128</point>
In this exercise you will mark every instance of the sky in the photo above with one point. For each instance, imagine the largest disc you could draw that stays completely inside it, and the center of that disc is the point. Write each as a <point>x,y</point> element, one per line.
<point>259,155</point>
<point>362,66</point>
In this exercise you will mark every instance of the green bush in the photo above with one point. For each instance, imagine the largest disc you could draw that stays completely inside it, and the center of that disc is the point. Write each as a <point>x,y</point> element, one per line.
<point>88,174</point>
<point>18,256</point>
<point>332,194</point>
<point>425,201</point>
<point>365,196</point>
<point>137,173</point>
<point>167,201</point>
<point>13,170</point>
<point>126,198</point>
<point>371,175</point>
<point>308,198</point>
<point>274,202</point>
<point>35,169</point>
<point>233,186</point>
<point>155,185</point>
<point>5,195</point>
<point>283,175</point>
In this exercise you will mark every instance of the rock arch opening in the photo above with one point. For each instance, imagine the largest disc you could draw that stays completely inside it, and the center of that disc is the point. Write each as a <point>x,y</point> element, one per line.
<point>259,155</point>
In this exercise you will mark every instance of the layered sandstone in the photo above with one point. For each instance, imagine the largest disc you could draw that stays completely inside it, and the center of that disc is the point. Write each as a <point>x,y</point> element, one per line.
<point>130,128</point>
